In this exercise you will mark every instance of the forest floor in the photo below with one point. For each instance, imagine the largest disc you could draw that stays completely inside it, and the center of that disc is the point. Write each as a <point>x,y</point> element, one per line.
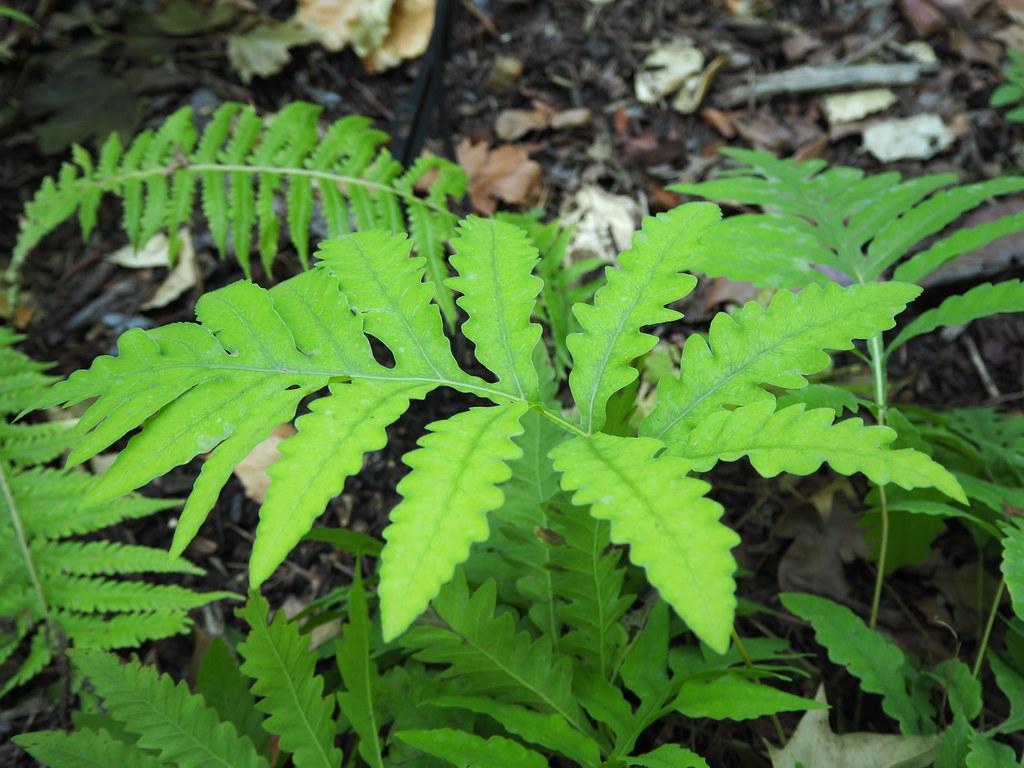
<point>514,67</point>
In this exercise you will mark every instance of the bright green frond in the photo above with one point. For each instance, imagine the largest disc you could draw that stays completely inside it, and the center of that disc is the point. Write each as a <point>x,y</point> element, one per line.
<point>1013,563</point>
<point>981,301</point>
<point>778,346</point>
<point>327,449</point>
<point>453,485</point>
<point>107,558</point>
<point>671,527</point>
<point>495,264</point>
<point>276,656</point>
<point>798,441</point>
<point>636,294</point>
<point>84,749</point>
<point>487,655</point>
<point>731,697</point>
<point>962,241</point>
<point>462,749</point>
<point>165,716</point>
<point>359,674</point>
<point>876,661</point>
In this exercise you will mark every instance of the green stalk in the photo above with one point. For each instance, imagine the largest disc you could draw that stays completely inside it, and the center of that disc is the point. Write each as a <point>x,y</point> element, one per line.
<point>993,612</point>
<point>878,379</point>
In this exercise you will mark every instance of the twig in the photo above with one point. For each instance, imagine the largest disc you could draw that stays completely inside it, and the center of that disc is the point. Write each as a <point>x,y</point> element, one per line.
<point>981,368</point>
<point>828,78</point>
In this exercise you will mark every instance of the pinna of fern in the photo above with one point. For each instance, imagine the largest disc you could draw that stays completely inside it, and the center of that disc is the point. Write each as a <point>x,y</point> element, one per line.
<point>221,385</point>
<point>56,589</point>
<point>240,164</point>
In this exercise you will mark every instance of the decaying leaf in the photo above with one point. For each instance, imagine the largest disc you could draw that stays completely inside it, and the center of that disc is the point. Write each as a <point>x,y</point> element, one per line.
<point>918,138</point>
<point>694,89</point>
<point>604,222</point>
<point>252,470</point>
<point>155,253</point>
<point>182,278</point>
<point>856,105</point>
<point>814,744</point>
<point>410,25</point>
<point>266,49</point>
<point>512,124</point>
<point>665,69</point>
<point>504,172</point>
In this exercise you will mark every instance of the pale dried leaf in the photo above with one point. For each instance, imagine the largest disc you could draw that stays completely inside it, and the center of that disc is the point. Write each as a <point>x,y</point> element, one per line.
<point>919,138</point>
<point>856,105</point>
<point>512,124</point>
<point>252,470</point>
<point>604,222</point>
<point>665,69</point>
<point>332,20</point>
<point>411,23</point>
<point>155,253</point>
<point>265,50</point>
<point>183,277</point>
<point>814,744</point>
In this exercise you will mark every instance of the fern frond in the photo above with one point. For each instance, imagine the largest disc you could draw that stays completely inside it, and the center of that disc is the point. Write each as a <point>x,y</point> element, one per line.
<point>798,441</point>
<point>445,500</point>
<point>359,675</point>
<point>50,584</point>
<point>224,688</point>
<point>779,346</point>
<point>588,577</point>
<point>84,749</point>
<point>1013,563</point>
<point>838,218</point>
<point>550,731</point>
<point>460,748</point>
<point>669,756</point>
<point>486,654</point>
<point>877,662</point>
<point>241,162</point>
<point>731,697</point>
<point>672,529</point>
<point>28,444</point>
<point>167,719</point>
<point>980,301</point>
<point>636,294</point>
<point>495,263</point>
<point>277,657</point>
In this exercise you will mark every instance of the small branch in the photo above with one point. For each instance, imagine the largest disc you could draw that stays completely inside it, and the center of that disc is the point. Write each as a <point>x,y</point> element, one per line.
<point>828,78</point>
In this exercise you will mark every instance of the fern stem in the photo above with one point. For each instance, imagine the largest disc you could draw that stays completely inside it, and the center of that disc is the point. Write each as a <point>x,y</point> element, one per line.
<point>224,168</point>
<point>878,376</point>
<point>993,612</point>
<point>749,663</point>
<point>26,553</point>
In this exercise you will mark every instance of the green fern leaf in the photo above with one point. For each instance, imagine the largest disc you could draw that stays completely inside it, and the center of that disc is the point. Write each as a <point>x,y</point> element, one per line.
<point>488,656</point>
<point>328,448</point>
<point>635,295</point>
<point>981,301</point>
<point>1013,563</point>
<point>83,558</point>
<point>466,749</point>
<point>495,262</point>
<point>359,674</point>
<point>961,242</point>
<point>166,717</point>
<point>877,662</point>
<point>989,753</point>
<point>125,630</point>
<point>669,756</point>
<point>223,686</point>
<point>731,697</point>
<point>673,530</point>
<point>779,346</point>
<point>549,731</point>
<point>240,162</point>
<point>453,485</point>
<point>798,441</point>
<point>277,657</point>
<point>1011,683</point>
<point>83,749</point>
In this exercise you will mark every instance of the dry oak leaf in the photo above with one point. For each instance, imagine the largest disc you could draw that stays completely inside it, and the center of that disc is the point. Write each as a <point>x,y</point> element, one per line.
<point>504,173</point>
<point>409,30</point>
<point>252,470</point>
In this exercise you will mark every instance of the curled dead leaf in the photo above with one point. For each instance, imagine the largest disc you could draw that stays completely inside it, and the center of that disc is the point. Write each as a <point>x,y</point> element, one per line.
<point>504,172</point>
<point>252,470</point>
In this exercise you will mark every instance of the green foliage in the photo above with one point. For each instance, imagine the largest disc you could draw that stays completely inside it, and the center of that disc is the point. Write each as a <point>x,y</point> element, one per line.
<point>1011,93</point>
<point>220,386</point>
<point>55,590</point>
<point>276,657</point>
<point>240,163</point>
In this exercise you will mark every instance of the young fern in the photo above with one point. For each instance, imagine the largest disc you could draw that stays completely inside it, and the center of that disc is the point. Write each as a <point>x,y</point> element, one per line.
<point>240,164</point>
<point>56,590</point>
<point>163,723</point>
<point>220,386</point>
